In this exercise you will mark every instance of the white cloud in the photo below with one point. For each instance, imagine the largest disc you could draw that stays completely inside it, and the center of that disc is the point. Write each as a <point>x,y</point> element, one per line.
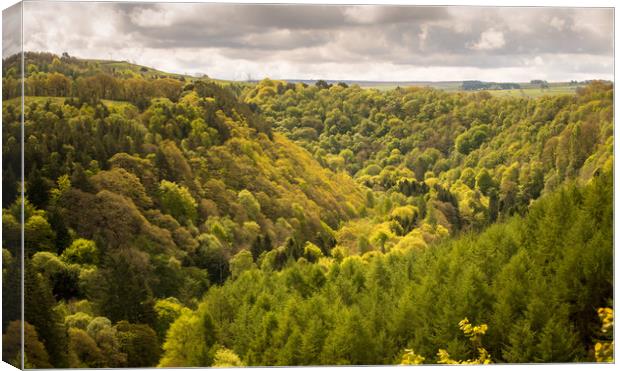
<point>362,14</point>
<point>152,17</point>
<point>557,23</point>
<point>539,61</point>
<point>422,36</point>
<point>489,40</point>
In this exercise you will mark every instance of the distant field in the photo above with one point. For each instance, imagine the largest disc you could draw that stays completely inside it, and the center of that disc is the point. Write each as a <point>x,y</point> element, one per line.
<point>123,67</point>
<point>533,92</point>
<point>528,90</point>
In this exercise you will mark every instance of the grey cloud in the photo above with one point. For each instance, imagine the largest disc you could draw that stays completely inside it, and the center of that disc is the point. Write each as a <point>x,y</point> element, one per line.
<point>227,25</point>
<point>186,36</point>
<point>249,26</point>
<point>11,30</point>
<point>304,35</point>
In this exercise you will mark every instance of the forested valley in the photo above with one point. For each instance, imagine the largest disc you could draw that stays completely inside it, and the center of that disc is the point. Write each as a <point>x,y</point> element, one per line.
<point>177,221</point>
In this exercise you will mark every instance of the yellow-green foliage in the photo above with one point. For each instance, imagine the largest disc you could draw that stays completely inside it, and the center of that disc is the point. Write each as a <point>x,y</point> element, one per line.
<point>166,311</point>
<point>81,251</point>
<point>474,333</point>
<point>79,320</point>
<point>241,262</point>
<point>382,237</point>
<point>343,311</point>
<point>226,358</point>
<point>275,223</point>
<point>457,141</point>
<point>312,252</point>
<point>184,345</point>
<point>354,235</point>
<point>177,201</point>
<point>410,358</point>
<point>406,216</point>
<point>413,240</point>
<point>604,350</point>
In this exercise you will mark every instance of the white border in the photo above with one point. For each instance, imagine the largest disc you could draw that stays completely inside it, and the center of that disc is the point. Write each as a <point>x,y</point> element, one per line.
<point>558,3</point>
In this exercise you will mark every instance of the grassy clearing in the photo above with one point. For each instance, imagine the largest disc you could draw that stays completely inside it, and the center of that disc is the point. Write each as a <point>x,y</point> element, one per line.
<point>534,92</point>
<point>112,104</point>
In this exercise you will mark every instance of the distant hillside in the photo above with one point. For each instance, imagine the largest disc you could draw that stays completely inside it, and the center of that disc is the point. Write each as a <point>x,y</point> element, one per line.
<point>463,159</point>
<point>521,88</point>
<point>72,66</point>
<point>75,67</point>
<point>48,74</point>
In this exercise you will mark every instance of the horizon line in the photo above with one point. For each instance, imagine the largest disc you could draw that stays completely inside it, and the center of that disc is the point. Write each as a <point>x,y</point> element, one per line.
<point>353,81</point>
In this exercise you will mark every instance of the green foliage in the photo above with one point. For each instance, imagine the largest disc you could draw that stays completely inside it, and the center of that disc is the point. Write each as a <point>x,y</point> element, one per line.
<point>35,353</point>
<point>166,311</point>
<point>83,350</point>
<point>122,182</point>
<point>241,262</point>
<point>312,252</point>
<point>177,201</point>
<point>108,342</point>
<point>189,340</point>
<point>484,182</point>
<point>81,251</point>
<point>123,291</point>
<point>78,320</point>
<point>471,139</point>
<point>38,311</point>
<point>406,216</point>
<point>39,235</point>
<point>163,212</point>
<point>390,138</point>
<point>413,298</point>
<point>139,342</point>
<point>249,203</point>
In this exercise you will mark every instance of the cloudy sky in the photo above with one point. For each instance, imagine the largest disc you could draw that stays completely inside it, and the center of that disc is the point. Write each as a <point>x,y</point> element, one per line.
<point>397,43</point>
